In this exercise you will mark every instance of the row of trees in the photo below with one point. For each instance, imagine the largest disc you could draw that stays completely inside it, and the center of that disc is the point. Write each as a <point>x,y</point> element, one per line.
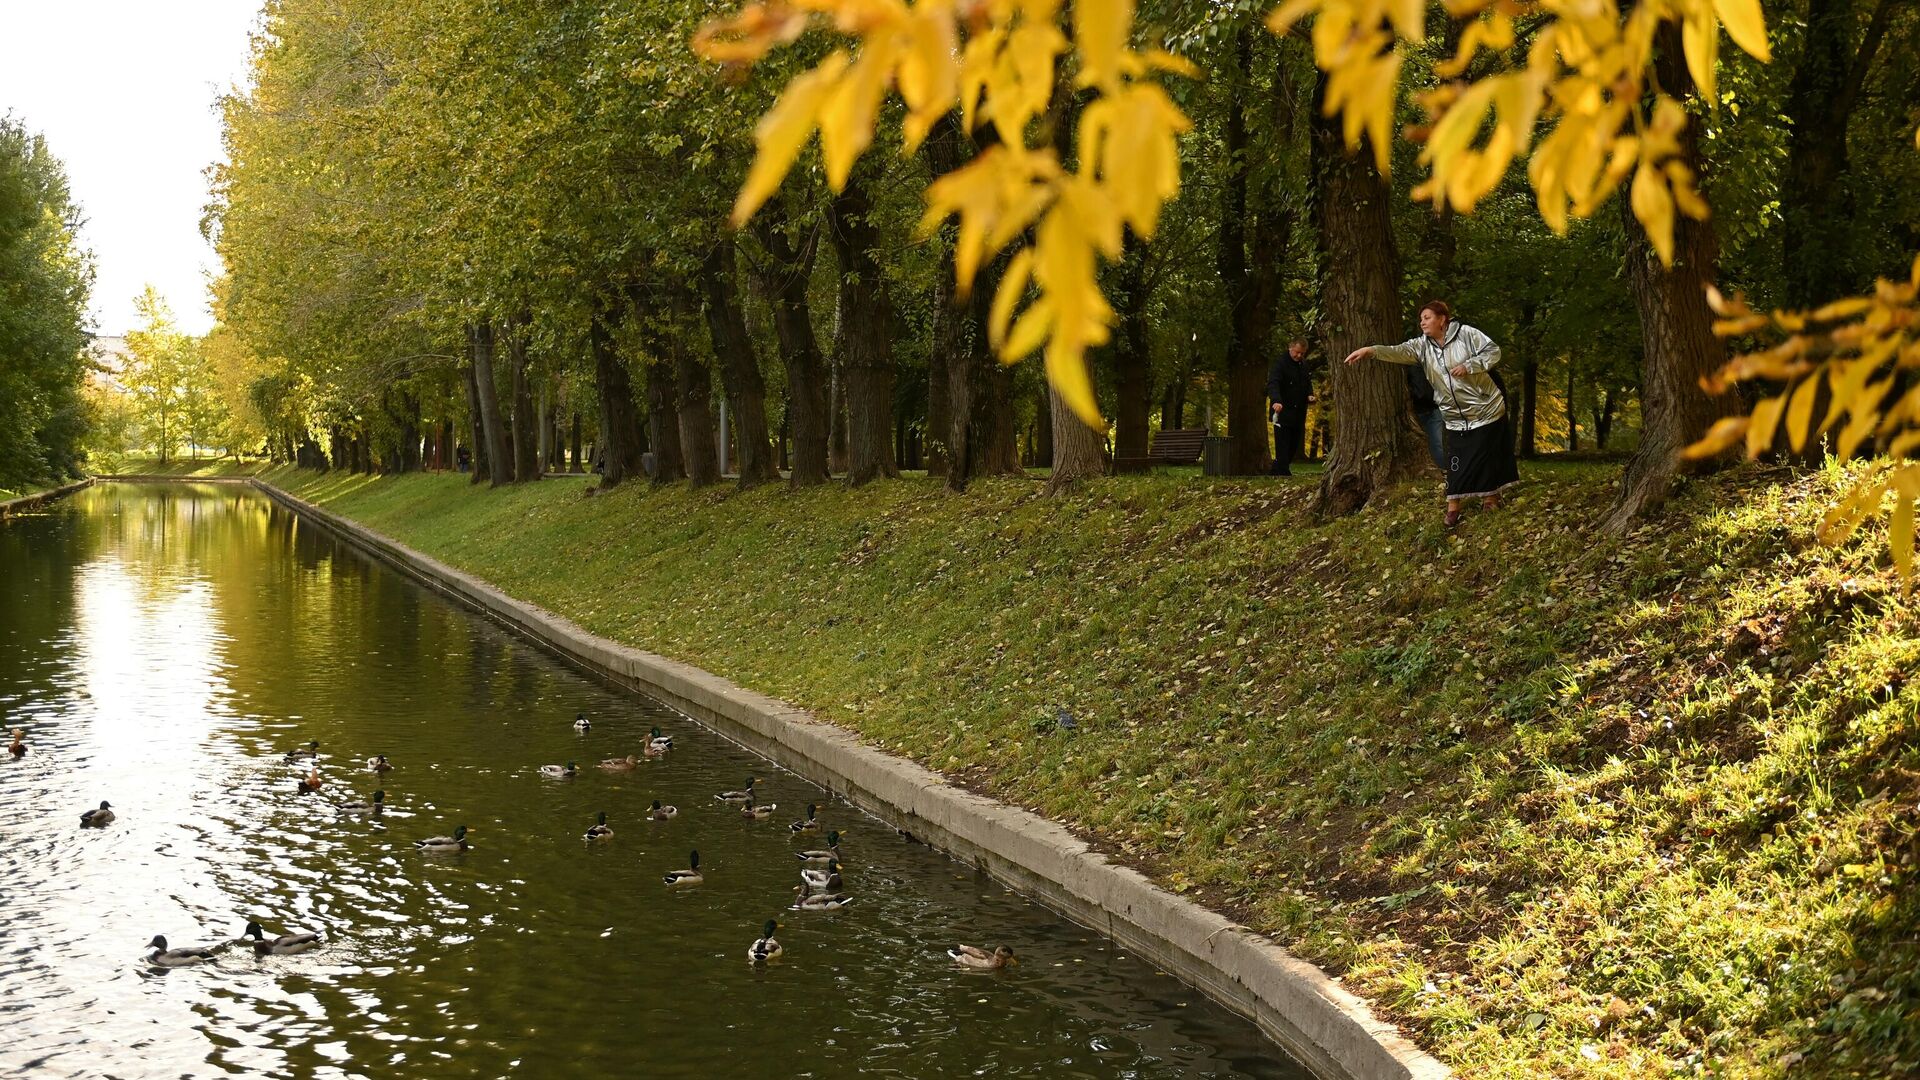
<point>505,226</point>
<point>44,279</point>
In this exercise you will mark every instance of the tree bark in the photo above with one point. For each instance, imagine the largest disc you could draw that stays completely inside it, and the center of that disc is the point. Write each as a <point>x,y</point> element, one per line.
<point>739,364</point>
<point>478,434</point>
<point>1079,451</point>
<point>1676,329</point>
<point>863,341</point>
<point>526,423</point>
<point>784,283</point>
<point>619,438</point>
<point>480,345</point>
<point>692,384</point>
<point>1251,278</point>
<point>1132,364</point>
<point>663,424</point>
<point>1375,443</point>
<point>573,464</point>
<point>1573,418</point>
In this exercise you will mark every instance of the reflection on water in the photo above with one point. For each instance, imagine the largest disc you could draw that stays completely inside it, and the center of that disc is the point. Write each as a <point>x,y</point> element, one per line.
<point>165,646</point>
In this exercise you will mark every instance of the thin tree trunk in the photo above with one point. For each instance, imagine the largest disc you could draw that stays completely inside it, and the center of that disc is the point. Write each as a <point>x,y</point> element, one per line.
<point>739,365</point>
<point>863,341</point>
<point>1375,443</point>
<point>1676,329</point>
<point>784,282</point>
<point>499,463</point>
<point>543,409</point>
<point>526,424</point>
<point>479,428</point>
<point>573,465</point>
<point>693,388</point>
<point>1573,418</point>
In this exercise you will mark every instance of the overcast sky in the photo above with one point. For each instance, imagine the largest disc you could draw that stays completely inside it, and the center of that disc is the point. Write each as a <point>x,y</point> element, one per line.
<point>124,92</point>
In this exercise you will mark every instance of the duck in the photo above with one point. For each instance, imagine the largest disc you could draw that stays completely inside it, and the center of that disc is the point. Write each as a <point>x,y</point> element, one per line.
<point>601,831</point>
<point>803,900</point>
<point>614,764</point>
<point>18,748</point>
<point>827,880</point>
<point>166,957</point>
<point>766,948</point>
<point>975,957</point>
<point>378,763</point>
<point>312,781</point>
<point>456,842</point>
<point>658,743</point>
<point>310,753</point>
<point>581,723</point>
<point>691,876</point>
<point>378,805</point>
<point>560,772</point>
<point>808,825</point>
<point>744,795</point>
<point>95,819</point>
<point>663,813</point>
<point>819,856</point>
<point>284,945</point>
<point>758,812</point>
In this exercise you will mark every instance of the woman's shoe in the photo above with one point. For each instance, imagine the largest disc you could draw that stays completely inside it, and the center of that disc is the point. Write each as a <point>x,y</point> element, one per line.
<point>1491,502</point>
<point>1453,517</point>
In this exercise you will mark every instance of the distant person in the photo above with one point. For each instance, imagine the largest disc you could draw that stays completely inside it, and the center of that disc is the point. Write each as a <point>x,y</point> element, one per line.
<point>1458,361</point>
<point>462,458</point>
<point>1426,412</point>
<point>1290,389</point>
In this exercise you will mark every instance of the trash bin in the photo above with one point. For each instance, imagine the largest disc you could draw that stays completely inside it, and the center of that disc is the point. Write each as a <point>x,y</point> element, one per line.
<point>1216,455</point>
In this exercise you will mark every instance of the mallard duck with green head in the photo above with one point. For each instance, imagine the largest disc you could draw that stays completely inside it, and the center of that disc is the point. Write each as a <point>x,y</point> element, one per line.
<point>379,763</point>
<point>560,772</point>
<point>378,805</point>
<point>822,856</point>
<point>99,817</point>
<point>663,813</point>
<point>805,900</point>
<point>659,744</point>
<point>165,957</point>
<point>443,844</point>
<point>744,795</point>
<point>309,752</point>
<point>284,945</point>
<point>827,880</point>
<point>754,811</point>
<point>807,824</point>
<point>766,948</point>
<point>689,876</point>
<point>581,723</point>
<point>601,831</point>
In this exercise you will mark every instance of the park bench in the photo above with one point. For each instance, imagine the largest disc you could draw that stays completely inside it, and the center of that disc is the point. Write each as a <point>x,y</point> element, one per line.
<point>1177,446</point>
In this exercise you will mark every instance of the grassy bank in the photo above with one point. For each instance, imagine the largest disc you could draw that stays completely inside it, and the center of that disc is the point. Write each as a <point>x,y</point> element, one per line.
<point>183,466</point>
<point>1563,805</point>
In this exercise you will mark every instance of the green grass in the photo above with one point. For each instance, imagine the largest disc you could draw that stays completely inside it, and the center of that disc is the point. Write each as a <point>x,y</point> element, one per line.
<point>1563,805</point>
<point>184,466</point>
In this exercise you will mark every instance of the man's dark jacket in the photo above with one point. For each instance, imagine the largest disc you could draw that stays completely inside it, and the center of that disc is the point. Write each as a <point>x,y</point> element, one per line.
<point>1289,382</point>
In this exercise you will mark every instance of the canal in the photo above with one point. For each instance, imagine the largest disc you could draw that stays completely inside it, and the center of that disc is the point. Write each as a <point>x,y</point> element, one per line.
<point>165,646</point>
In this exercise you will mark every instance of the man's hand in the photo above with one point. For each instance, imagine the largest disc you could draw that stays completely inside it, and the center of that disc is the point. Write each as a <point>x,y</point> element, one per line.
<point>1459,371</point>
<point>1359,354</point>
<point>1276,407</point>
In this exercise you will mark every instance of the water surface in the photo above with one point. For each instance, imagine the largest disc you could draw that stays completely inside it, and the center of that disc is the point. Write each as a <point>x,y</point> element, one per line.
<point>165,645</point>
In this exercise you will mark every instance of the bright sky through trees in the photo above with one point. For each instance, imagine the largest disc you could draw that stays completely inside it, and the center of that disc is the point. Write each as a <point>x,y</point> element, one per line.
<point>124,92</point>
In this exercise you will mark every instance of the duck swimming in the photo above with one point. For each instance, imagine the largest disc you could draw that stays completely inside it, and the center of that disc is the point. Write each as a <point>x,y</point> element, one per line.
<point>559,772</point>
<point>766,948</point>
<point>312,781</point>
<point>974,957</point>
<point>827,880</point>
<point>813,901</point>
<point>601,831</point>
<point>581,723</point>
<point>744,795</point>
<point>378,804</point>
<point>821,857</point>
<point>19,747</point>
<point>100,818</point>
<point>284,945</point>
<point>456,842</point>
<point>691,876</point>
<point>662,813</point>
<point>758,812</point>
<point>378,763</point>
<point>625,764</point>
<point>658,743</point>
<point>808,825</point>
<point>166,957</point>
<point>311,752</point>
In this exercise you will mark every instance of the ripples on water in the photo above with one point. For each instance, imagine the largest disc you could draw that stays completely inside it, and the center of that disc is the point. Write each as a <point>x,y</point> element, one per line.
<point>165,646</point>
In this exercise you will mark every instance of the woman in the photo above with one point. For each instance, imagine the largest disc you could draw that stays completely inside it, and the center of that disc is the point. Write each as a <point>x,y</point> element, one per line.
<point>1458,361</point>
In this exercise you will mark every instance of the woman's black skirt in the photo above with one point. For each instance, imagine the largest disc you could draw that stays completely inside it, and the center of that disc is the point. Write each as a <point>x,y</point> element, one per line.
<point>1480,462</point>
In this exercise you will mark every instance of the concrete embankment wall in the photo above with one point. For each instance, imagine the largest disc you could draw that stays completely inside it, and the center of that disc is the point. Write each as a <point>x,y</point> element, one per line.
<point>28,502</point>
<point>1319,1023</point>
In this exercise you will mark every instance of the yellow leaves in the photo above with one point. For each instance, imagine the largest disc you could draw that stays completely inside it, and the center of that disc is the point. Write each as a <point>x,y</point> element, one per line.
<point>996,196</point>
<point>1130,142</point>
<point>783,131</point>
<point>1653,205</point>
<point>1746,25</point>
<point>1719,438</point>
<point>1100,30</point>
<point>749,35</point>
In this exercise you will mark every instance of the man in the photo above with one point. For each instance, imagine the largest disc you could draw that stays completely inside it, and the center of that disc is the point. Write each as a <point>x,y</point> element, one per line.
<point>1290,389</point>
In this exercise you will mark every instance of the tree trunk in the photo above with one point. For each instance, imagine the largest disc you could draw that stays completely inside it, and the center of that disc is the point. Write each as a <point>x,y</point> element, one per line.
<point>1251,278</point>
<point>863,339</point>
<point>739,365</point>
<point>573,465</point>
<point>549,426</point>
<point>526,423</point>
<point>1043,424</point>
<point>1529,397</point>
<point>692,383</point>
<point>1132,365</point>
<point>1603,405</point>
<point>1676,329</point>
<point>784,282</point>
<point>478,432</point>
<point>1375,443</point>
<point>1573,422</point>
<point>619,438</point>
<point>1079,451</point>
<point>499,463</point>
<point>663,424</point>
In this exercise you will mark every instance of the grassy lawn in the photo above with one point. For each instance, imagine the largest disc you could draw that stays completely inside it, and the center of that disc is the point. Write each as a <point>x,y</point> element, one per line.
<point>1563,805</point>
<point>183,466</point>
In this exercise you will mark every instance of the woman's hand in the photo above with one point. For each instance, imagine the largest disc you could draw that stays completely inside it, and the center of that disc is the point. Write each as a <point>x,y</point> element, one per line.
<point>1359,354</point>
<point>1459,371</point>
